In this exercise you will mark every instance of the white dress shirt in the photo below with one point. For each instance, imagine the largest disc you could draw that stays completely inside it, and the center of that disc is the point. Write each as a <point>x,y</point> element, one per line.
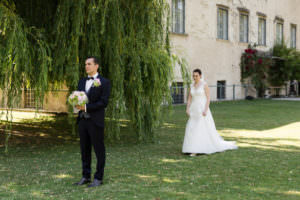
<point>88,85</point>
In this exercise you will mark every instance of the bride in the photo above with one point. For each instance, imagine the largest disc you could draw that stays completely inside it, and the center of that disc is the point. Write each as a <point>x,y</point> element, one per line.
<point>201,135</point>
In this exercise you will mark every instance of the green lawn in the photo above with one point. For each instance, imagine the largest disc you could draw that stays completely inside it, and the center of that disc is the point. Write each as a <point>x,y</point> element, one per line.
<point>44,159</point>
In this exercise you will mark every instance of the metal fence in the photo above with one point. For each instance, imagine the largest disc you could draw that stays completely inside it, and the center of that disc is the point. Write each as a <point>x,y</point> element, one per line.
<point>217,92</point>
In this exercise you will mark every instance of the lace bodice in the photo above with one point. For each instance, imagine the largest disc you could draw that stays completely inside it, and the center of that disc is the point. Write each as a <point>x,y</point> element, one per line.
<point>198,100</point>
<point>198,93</point>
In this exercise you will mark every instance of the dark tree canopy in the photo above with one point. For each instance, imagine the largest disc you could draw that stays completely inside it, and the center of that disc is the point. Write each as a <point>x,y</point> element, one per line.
<point>43,45</point>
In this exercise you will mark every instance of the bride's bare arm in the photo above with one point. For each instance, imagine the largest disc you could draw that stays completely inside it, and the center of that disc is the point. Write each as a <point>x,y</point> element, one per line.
<point>206,89</point>
<point>188,102</point>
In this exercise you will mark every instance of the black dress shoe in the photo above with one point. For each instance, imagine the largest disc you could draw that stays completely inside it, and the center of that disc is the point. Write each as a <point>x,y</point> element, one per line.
<point>95,183</point>
<point>83,181</point>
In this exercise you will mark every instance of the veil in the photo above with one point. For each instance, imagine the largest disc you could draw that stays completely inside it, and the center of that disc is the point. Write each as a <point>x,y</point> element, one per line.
<point>202,78</point>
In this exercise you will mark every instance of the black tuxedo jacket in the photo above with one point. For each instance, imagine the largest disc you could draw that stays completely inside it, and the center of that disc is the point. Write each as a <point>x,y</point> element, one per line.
<point>97,100</point>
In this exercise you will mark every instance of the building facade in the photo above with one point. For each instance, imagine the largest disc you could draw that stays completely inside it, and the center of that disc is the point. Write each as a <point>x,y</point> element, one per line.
<point>212,34</point>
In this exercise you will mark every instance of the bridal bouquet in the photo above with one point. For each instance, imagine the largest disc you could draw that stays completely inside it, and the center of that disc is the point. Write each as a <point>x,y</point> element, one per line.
<point>77,98</point>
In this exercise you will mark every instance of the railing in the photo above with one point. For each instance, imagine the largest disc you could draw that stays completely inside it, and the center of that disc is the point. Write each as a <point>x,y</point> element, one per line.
<point>217,92</point>
<point>278,91</point>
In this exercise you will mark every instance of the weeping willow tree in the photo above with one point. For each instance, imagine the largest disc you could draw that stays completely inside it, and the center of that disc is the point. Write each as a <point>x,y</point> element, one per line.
<point>43,45</point>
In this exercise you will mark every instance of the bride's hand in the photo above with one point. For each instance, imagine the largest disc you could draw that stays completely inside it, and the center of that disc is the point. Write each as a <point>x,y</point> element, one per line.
<point>187,112</point>
<point>204,113</point>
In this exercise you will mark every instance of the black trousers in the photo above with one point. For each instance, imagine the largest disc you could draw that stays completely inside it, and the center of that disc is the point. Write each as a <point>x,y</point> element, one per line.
<point>91,135</point>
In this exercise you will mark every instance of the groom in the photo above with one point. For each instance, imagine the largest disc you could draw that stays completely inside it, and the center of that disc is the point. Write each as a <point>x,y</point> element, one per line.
<point>91,121</point>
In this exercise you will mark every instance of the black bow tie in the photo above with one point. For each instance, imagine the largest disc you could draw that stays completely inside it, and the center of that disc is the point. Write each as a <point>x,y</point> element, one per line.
<point>90,78</point>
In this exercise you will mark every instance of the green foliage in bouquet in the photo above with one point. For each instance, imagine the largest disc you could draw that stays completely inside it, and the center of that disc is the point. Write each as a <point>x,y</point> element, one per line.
<point>78,98</point>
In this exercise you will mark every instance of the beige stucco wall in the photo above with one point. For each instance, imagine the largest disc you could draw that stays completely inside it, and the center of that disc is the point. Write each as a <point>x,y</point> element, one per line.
<point>53,102</point>
<point>56,101</point>
<point>220,59</point>
<point>17,105</point>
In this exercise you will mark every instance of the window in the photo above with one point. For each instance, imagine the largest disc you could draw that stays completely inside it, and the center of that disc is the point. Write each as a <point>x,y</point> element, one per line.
<point>221,90</point>
<point>244,30</point>
<point>279,32</point>
<point>222,23</point>
<point>293,36</point>
<point>178,16</point>
<point>177,91</point>
<point>261,31</point>
<point>29,98</point>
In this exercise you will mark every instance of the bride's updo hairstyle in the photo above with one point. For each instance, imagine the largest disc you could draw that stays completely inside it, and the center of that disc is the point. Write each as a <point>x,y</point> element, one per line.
<point>197,71</point>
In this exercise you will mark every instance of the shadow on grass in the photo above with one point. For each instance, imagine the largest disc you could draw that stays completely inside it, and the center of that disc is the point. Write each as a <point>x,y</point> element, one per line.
<point>246,115</point>
<point>54,130</point>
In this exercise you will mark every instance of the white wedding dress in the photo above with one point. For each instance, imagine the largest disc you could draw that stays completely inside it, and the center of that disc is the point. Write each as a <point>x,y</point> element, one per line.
<point>201,135</point>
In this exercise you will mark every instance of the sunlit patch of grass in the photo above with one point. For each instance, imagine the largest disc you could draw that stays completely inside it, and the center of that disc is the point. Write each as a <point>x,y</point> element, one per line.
<point>169,125</point>
<point>146,176</point>
<point>18,116</point>
<point>173,160</point>
<point>37,194</point>
<point>168,180</point>
<point>297,193</point>
<point>44,135</point>
<point>280,138</point>
<point>61,176</point>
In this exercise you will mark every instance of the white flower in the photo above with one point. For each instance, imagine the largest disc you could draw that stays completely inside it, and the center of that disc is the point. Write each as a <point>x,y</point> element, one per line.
<point>97,82</point>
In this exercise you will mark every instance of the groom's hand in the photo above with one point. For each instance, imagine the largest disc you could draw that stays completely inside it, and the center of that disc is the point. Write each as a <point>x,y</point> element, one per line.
<point>80,107</point>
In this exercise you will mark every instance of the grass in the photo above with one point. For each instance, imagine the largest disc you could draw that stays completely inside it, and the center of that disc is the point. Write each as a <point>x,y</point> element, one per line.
<point>44,159</point>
